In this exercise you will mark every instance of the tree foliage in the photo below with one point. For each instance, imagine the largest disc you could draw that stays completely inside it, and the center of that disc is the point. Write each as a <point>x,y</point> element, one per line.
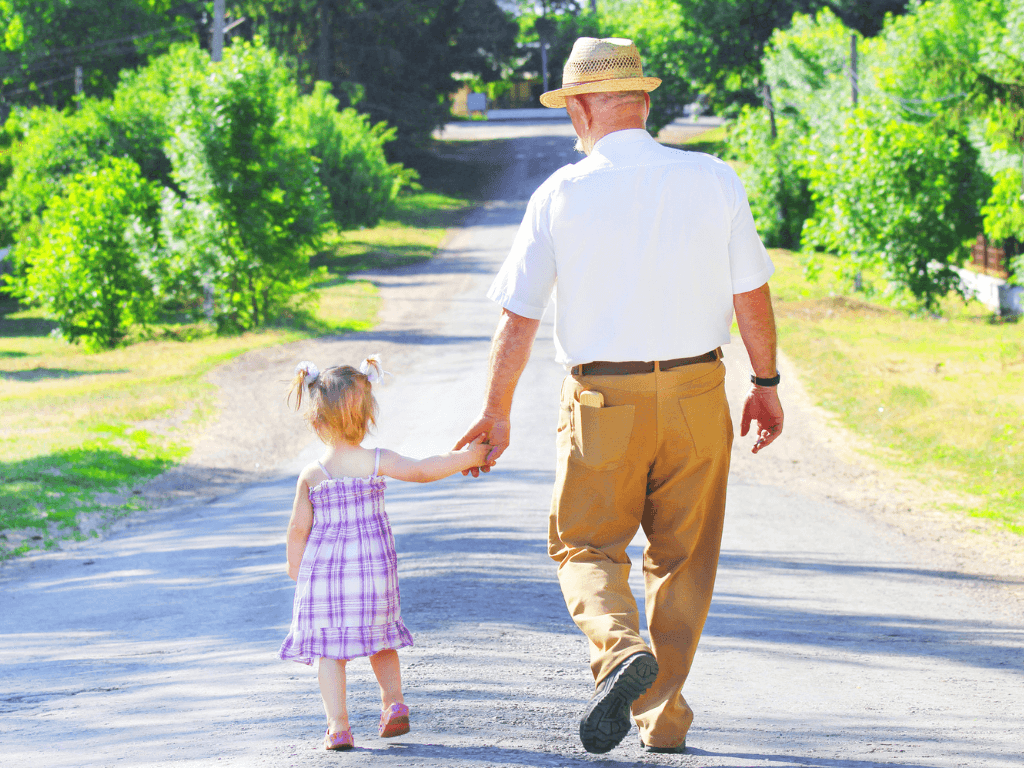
<point>727,39</point>
<point>931,156</point>
<point>359,181</point>
<point>897,195</point>
<point>249,184</point>
<point>81,256</point>
<point>42,41</point>
<point>394,59</point>
<point>244,174</point>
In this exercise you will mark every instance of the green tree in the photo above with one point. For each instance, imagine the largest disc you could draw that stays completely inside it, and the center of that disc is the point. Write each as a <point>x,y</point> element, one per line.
<point>393,59</point>
<point>53,145</point>
<point>42,42</point>
<point>360,183</point>
<point>773,175</point>
<point>898,195</point>
<point>82,255</point>
<point>253,206</point>
<point>960,63</point>
<point>727,38</point>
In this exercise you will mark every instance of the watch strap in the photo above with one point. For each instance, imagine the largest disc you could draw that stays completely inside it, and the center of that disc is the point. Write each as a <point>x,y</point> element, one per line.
<point>772,382</point>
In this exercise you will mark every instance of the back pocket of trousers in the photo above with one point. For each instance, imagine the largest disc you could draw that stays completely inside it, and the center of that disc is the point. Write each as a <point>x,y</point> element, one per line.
<point>600,436</point>
<point>707,417</point>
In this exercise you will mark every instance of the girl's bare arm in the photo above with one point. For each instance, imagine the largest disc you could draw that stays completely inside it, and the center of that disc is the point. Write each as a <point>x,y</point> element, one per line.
<point>299,526</point>
<point>434,467</point>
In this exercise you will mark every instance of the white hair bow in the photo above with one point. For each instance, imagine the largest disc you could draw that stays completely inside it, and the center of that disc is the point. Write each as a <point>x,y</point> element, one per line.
<point>372,368</point>
<point>310,373</point>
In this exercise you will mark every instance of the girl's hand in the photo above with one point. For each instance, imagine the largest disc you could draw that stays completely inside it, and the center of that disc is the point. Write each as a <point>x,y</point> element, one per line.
<point>477,451</point>
<point>496,432</point>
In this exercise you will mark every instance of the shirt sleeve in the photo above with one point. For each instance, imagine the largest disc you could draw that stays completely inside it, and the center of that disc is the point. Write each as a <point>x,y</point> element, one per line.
<point>749,262</point>
<point>525,281</point>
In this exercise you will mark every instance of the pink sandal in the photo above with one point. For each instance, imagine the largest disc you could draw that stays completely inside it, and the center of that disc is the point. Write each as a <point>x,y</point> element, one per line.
<point>340,740</point>
<point>394,721</point>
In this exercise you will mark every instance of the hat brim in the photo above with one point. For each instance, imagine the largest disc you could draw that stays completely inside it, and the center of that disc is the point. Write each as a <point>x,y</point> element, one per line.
<point>556,98</point>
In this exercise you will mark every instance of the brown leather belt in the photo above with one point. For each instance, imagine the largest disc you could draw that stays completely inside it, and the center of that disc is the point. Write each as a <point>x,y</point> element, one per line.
<point>604,368</point>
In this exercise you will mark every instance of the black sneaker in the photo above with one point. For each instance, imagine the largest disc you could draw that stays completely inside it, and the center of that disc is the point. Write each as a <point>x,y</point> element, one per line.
<point>607,719</point>
<point>666,750</point>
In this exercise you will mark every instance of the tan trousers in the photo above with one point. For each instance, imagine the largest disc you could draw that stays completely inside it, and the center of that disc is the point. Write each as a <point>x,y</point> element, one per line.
<point>657,456</point>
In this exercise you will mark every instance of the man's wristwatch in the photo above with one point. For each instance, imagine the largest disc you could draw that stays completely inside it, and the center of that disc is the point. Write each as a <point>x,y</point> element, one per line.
<point>772,382</point>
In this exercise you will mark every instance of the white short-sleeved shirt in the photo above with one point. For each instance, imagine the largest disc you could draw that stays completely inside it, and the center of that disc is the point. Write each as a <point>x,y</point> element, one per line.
<point>643,247</point>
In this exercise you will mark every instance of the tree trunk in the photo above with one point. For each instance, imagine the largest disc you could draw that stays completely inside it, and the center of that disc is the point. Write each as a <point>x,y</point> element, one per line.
<point>323,48</point>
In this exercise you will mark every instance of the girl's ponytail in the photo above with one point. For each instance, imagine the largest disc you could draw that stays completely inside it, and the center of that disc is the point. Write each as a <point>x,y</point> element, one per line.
<point>372,369</point>
<point>306,375</point>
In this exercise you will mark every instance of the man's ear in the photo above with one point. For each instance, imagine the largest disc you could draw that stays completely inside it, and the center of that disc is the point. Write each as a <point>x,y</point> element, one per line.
<point>586,112</point>
<point>579,108</point>
<point>647,101</point>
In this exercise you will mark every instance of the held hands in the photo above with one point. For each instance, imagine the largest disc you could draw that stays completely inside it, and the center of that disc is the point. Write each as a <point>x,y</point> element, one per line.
<point>476,454</point>
<point>491,432</point>
<point>762,405</point>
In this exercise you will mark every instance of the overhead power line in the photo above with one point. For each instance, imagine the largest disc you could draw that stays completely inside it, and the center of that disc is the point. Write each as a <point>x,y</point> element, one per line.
<point>62,55</point>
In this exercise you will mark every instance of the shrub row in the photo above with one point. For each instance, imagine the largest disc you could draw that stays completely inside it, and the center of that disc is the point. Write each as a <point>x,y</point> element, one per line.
<point>199,189</point>
<point>928,157</point>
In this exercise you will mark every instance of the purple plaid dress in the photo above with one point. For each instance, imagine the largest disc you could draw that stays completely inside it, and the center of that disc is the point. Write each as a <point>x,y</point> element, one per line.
<point>346,597</point>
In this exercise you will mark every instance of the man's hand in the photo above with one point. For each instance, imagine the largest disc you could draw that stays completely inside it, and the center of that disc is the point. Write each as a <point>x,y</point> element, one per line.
<point>510,350</point>
<point>762,405</point>
<point>495,431</point>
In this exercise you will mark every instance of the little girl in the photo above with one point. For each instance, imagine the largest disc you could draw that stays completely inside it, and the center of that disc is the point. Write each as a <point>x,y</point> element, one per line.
<point>341,551</point>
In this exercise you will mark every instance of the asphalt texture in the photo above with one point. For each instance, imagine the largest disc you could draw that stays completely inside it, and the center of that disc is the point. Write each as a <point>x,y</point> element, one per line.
<point>833,641</point>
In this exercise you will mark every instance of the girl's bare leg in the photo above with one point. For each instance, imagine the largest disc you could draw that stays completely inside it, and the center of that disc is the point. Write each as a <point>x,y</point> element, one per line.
<point>389,677</point>
<point>331,674</point>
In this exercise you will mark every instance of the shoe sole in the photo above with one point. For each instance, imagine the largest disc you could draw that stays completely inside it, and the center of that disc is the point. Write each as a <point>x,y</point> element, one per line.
<point>396,727</point>
<point>607,719</point>
<point>340,746</point>
<point>665,750</point>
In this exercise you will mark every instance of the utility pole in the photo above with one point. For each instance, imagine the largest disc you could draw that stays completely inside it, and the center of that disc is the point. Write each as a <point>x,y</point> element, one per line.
<point>853,68</point>
<point>544,61</point>
<point>323,50</point>
<point>217,34</point>
<point>79,85</point>
<point>766,99</point>
<point>544,27</point>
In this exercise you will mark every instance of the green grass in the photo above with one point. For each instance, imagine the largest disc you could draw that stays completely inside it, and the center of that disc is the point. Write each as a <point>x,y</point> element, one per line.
<point>937,397</point>
<point>79,431</point>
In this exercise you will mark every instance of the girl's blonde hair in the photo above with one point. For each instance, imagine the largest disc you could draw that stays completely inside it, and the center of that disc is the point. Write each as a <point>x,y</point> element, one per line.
<point>342,408</point>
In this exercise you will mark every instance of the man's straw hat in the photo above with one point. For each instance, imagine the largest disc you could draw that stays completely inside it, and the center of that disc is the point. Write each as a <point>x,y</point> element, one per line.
<point>599,66</point>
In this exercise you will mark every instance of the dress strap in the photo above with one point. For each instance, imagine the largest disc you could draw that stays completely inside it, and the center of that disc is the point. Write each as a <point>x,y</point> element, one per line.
<point>376,462</point>
<point>324,469</point>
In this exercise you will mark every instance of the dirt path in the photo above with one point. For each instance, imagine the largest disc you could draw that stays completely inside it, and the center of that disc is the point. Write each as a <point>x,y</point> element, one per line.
<point>835,640</point>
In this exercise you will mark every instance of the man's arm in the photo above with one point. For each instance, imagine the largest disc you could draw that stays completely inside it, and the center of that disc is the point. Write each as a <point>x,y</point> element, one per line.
<point>510,351</point>
<point>756,320</point>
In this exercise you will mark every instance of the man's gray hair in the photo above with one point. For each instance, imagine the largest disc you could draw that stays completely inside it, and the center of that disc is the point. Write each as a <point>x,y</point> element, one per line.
<point>613,98</point>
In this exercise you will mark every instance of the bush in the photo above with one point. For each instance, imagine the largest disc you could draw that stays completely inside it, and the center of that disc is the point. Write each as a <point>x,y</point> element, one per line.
<point>899,195</point>
<point>780,198</point>
<point>252,205</point>
<point>804,68</point>
<point>56,145</point>
<point>9,139</point>
<point>351,165</point>
<point>81,255</point>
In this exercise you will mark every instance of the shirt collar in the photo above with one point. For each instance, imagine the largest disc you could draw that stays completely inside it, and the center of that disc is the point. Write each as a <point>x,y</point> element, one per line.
<point>621,139</point>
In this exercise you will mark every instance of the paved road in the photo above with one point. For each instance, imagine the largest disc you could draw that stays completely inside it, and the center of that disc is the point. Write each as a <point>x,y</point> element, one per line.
<point>832,641</point>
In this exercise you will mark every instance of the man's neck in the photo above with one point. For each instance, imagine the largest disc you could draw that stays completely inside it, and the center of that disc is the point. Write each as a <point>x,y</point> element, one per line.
<point>598,132</point>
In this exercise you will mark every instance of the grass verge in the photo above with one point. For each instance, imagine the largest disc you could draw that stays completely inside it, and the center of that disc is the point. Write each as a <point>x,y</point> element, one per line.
<point>79,431</point>
<point>939,398</point>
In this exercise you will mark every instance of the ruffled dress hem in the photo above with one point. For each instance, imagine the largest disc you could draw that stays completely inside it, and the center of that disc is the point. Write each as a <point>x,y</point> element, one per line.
<point>344,643</point>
